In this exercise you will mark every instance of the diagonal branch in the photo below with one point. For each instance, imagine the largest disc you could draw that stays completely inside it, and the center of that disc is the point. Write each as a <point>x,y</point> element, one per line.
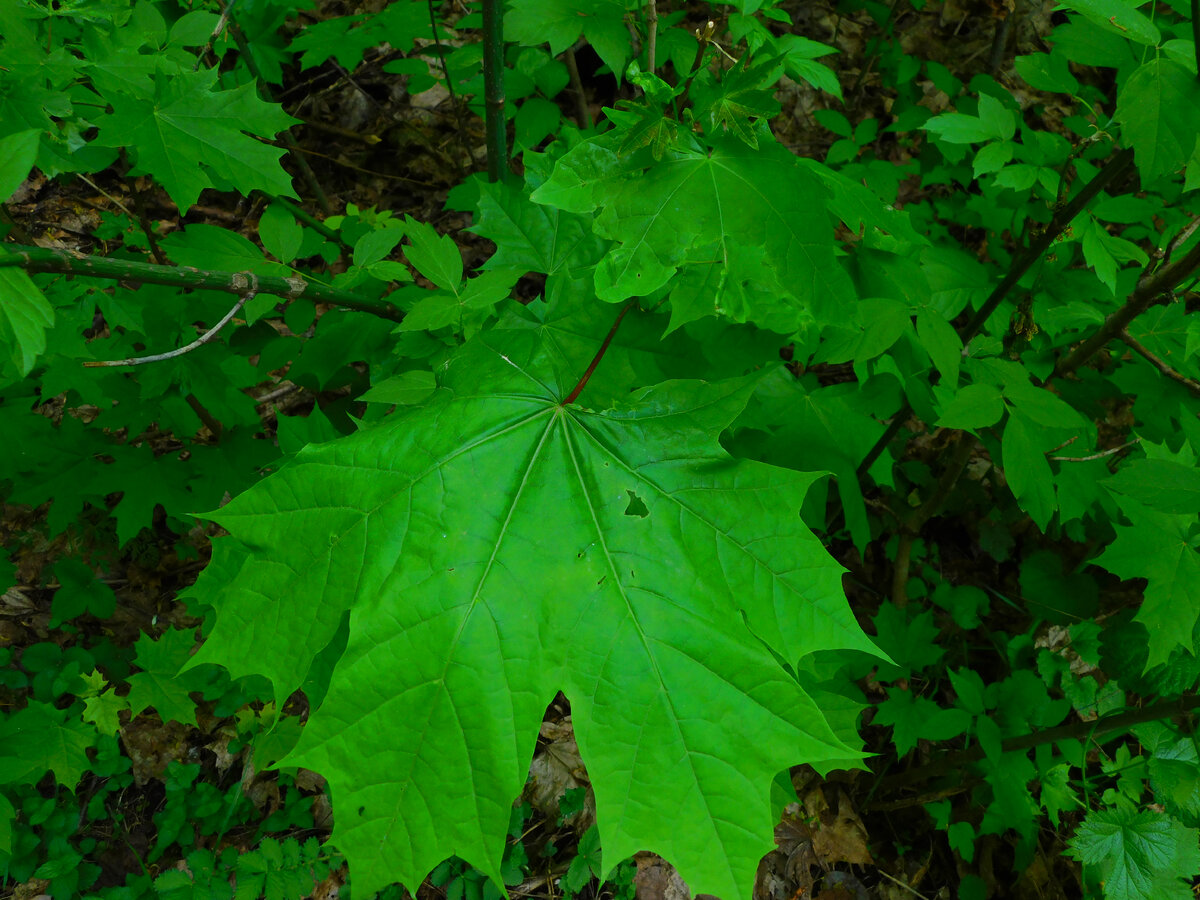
<point>1117,168</point>
<point>180,351</point>
<point>1149,290</point>
<point>1138,347</point>
<point>1082,729</point>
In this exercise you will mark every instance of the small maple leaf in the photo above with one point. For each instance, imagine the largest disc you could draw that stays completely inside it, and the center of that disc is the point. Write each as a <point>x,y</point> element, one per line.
<point>739,98</point>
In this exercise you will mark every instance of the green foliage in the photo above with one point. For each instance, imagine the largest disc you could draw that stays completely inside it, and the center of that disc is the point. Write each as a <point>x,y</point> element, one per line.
<point>983,291</point>
<point>626,492</point>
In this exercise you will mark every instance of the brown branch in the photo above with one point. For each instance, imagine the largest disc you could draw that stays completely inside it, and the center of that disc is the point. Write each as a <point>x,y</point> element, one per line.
<point>1150,289</point>
<point>599,355</point>
<point>1117,168</point>
<point>1178,377</point>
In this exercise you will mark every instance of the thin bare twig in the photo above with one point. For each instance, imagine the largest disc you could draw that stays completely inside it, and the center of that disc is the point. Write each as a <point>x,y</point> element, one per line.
<point>1094,456</point>
<point>1142,350</point>
<point>95,187</point>
<point>198,342</point>
<point>908,887</point>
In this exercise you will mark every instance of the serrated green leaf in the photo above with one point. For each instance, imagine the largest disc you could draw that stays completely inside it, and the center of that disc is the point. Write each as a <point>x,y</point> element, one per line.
<point>406,389</point>
<point>40,739</point>
<point>190,137</point>
<point>1047,72</point>
<point>1161,548</point>
<point>916,718</point>
<point>160,683</point>
<point>1027,471</point>
<point>1118,17</point>
<point>280,233</point>
<point>992,158</point>
<point>972,407</point>
<point>435,255</point>
<point>561,22</point>
<point>25,314</point>
<point>1159,111</point>
<point>534,237</point>
<point>738,98</point>
<point>17,154</point>
<point>1160,484</point>
<point>1138,854</point>
<point>994,122</point>
<point>486,544</point>
<point>373,246</point>
<point>942,343</point>
<point>666,217</point>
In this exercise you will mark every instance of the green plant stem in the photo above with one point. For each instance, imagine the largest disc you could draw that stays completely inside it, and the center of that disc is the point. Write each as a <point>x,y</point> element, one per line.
<point>599,355</point>
<point>243,46</point>
<point>1151,289</point>
<point>1073,731</point>
<point>300,215</point>
<point>1196,32</point>
<point>35,259</point>
<point>1121,164</point>
<point>494,125</point>
<point>143,221</point>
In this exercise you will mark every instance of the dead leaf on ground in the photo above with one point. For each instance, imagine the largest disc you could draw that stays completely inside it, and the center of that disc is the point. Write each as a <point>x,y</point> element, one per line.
<point>657,879</point>
<point>840,835</point>
<point>152,744</point>
<point>557,768</point>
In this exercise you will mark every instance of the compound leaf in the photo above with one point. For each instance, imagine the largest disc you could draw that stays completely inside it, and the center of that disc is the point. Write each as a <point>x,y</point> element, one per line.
<point>493,547</point>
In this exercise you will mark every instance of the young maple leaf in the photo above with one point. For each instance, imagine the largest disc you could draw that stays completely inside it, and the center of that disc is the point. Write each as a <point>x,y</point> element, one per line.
<point>738,98</point>
<point>495,546</point>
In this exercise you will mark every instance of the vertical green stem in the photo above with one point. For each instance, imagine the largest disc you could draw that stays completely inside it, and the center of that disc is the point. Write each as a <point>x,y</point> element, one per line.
<point>493,90</point>
<point>1196,32</point>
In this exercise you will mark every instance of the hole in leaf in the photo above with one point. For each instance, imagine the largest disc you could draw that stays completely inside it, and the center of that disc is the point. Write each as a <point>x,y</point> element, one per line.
<point>637,507</point>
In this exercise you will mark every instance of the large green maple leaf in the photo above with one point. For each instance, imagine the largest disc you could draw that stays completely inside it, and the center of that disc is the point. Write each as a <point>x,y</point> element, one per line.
<point>191,137</point>
<point>495,546</point>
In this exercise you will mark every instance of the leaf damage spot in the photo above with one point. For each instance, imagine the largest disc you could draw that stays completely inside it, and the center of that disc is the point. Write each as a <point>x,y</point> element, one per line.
<point>637,506</point>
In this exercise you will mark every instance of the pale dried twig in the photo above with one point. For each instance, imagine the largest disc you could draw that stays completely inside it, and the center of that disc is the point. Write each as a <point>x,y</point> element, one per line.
<point>198,342</point>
